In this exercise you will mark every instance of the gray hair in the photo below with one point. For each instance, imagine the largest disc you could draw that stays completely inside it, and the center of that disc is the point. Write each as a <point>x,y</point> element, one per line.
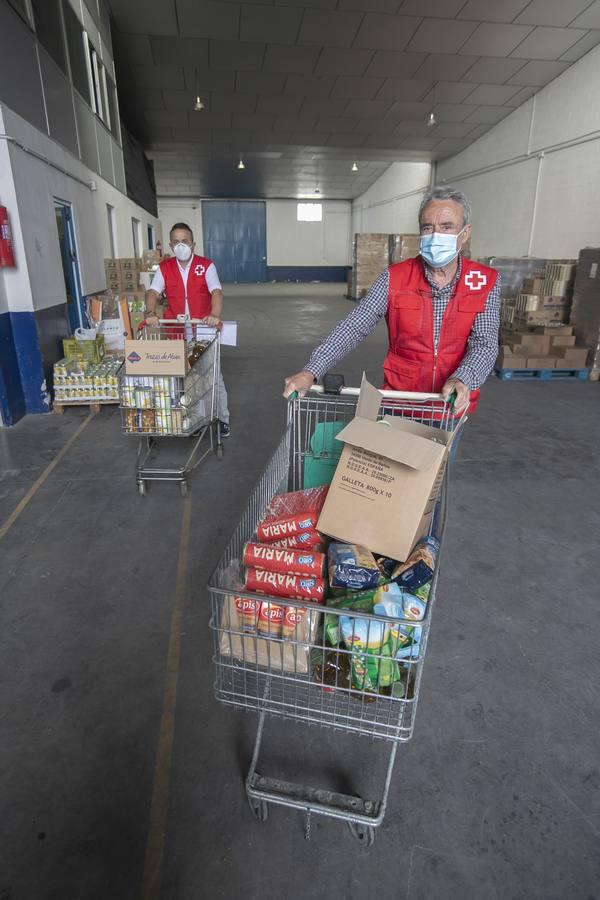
<point>447,193</point>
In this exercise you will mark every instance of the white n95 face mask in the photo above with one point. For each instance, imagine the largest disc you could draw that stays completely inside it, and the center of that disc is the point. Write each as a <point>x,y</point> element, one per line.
<point>182,251</point>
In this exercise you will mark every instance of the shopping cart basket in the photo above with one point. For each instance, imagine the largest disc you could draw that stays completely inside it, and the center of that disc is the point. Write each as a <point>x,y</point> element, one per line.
<point>157,406</point>
<point>280,657</point>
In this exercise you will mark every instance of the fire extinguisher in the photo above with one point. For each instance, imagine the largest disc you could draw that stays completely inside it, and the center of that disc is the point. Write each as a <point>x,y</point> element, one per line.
<point>7,256</point>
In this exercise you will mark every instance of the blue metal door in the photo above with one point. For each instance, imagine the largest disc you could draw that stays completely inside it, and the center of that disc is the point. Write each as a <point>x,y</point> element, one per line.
<point>235,238</point>
<point>70,263</point>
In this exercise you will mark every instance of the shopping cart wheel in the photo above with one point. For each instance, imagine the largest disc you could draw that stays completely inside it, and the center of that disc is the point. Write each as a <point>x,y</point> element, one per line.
<point>183,487</point>
<point>364,834</point>
<point>219,451</point>
<point>142,489</point>
<point>259,809</point>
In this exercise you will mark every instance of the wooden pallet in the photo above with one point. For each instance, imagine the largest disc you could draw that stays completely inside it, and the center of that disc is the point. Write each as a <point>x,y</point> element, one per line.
<point>93,405</point>
<point>543,374</point>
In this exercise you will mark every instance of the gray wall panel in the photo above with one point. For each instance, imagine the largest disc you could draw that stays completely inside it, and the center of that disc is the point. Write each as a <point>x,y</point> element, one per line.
<point>59,103</point>
<point>86,127</point>
<point>104,148</point>
<point>20,84</point>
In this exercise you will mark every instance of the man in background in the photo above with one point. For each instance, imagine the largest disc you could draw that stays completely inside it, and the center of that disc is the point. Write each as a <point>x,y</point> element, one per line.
<point>192,288</point>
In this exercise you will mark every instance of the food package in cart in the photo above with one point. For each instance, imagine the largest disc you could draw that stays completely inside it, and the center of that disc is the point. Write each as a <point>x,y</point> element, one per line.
<point>312,539</point>
<point>291,513</point>
<point>420,565</point>
<point>277,655</point>
<point>282,559</point>
<point>279,584</point>
<point>352,566</point>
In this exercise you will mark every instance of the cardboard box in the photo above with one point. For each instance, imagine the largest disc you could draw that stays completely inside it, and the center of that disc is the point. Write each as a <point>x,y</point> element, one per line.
<point>534,344</point>
<point>386,482</point>
<point>553,329</point>
<point>113,284</point>
<point>541,362</point>
<point>156,357</point>
<point>508,359</point>
<point>129,285</point>
<point>130,264</point>
<point>532,285</point>
<point>572,357</point>
<point>562,340</point>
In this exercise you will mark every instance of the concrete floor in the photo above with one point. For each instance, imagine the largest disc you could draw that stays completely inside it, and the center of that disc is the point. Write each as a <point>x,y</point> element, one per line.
<point>498,793</point>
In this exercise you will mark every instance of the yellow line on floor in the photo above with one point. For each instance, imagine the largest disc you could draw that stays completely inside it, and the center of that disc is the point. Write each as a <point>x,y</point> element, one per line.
<point>155,843</point>
<point>39,482</point>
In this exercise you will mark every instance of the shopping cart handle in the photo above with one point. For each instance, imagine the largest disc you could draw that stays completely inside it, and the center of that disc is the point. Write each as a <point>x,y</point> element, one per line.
<point>388,395</point>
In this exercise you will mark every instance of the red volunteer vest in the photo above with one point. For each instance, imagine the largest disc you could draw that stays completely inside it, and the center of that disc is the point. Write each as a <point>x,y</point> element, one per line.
<point>412,363</point>
<point>198,294</point>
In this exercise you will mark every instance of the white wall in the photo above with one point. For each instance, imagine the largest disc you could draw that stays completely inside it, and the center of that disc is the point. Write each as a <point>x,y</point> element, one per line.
<point>391,204</point>
<point>289,242</point>
<point>189,211</point>
<point>38,282</point>
<point>533,180</point>
<point>293,243</point>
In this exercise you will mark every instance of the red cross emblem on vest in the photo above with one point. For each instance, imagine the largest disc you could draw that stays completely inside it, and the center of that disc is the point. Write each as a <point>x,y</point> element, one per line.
<point>475,280</point>
<point>200,270</point>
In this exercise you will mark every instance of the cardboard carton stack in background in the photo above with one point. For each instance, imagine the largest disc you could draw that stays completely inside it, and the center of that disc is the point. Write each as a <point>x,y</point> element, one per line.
<point>123,275</point>
<point>544,296</point>
<point>370,256</point>
<point>585,313</point>
<point>541,347</point>
<point>403,246</point>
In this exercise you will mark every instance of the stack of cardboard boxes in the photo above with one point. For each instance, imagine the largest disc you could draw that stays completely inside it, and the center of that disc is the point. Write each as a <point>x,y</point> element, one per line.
<point>541,347</point>
<point>585,313</point>
<point>123,275</point>
<point>403,246</point>
<point>544,298</point>
<point>370,256</point>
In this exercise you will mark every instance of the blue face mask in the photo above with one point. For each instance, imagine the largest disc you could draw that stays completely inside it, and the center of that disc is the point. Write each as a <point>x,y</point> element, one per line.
<point>439,249</point>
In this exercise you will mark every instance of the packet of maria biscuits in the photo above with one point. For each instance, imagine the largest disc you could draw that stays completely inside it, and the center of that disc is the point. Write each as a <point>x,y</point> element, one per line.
<point>291,513</point>
<point>283,559</point>
<point>280,584</point>
<point>303,540</point>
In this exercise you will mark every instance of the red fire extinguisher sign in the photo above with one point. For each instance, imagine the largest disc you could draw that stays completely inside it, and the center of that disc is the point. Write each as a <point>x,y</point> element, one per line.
<point>7,256</point>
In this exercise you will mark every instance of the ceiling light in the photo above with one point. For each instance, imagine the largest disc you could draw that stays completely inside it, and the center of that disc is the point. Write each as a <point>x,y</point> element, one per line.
<point>317,191</point>
<point>431,120</point>
<point>241,165</point>
<point>198,105</point>
<point>354,167</point>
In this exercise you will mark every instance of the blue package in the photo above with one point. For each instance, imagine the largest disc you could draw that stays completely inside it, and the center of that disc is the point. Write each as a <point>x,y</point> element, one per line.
<point>352,566</point>
<point>420,565</point>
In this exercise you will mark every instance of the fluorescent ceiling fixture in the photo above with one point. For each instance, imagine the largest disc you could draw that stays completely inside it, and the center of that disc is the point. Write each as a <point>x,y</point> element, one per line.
<point>241,165</point>
<point>309,212</point>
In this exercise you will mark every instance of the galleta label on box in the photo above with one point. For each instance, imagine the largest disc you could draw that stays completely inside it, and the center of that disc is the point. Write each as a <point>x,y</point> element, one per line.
<point>155,357</point>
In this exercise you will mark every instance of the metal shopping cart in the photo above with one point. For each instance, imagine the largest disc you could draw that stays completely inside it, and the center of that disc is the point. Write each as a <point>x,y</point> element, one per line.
<point>158,406</point>
<point>288,664</point>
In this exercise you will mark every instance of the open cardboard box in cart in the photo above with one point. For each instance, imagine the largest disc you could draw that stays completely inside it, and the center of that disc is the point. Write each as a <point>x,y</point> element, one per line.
<point>386,483</point>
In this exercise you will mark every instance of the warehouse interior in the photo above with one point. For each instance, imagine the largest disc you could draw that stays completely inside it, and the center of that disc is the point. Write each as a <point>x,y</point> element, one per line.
<point>296,138</point>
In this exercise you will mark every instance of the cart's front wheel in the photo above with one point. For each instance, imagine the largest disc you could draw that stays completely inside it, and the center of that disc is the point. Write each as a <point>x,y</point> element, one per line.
<point>259,809</point>
<point>183,487</point>
<point>142,489</point>
<point>364,834</point>
<point>219,451</point>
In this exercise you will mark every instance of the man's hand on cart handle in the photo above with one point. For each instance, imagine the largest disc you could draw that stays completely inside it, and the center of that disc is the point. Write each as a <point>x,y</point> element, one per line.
<point>462,392</point>
<point>211,321</point>
<point>151,319</point>
<point>298,383</point>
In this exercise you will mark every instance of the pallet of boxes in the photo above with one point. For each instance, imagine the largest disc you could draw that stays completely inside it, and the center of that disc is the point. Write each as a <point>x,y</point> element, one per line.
<point>585,312</point>
<point>86,375</point>
<point>536,339</point>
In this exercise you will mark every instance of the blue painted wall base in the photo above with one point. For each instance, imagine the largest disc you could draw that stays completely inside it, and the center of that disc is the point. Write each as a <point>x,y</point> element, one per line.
<point>22,386</point>
<point>307,273</point>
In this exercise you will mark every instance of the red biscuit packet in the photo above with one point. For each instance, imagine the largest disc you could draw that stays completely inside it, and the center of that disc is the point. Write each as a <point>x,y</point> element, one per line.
<point>292,513</point>
<point>280,584</point>
<point>283,559</point>
<point>270,619</point>
<point>312,539</point>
